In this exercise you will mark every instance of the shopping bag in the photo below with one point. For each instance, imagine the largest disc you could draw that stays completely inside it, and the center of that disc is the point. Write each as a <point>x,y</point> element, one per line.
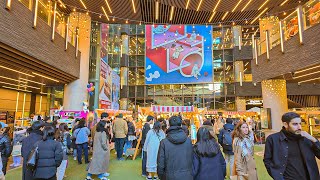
<point>16,150</point>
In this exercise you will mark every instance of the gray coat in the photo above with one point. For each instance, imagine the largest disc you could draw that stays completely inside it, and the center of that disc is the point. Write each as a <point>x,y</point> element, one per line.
<point>101,154</point>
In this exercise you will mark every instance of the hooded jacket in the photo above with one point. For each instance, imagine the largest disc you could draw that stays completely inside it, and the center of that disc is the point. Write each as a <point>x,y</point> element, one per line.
<point>175,149</point>
<point>226,129</point>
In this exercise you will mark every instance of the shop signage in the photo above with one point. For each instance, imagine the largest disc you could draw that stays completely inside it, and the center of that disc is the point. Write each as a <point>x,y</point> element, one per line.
<point>254,102</point>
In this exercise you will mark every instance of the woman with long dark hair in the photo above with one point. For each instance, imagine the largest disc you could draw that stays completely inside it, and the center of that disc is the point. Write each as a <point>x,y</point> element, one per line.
<point>243,147</point>
<point>101,153</point>
<point>50,156</point>
<point>63,136</point>
<point>208,161</point>
<point>151,145</point>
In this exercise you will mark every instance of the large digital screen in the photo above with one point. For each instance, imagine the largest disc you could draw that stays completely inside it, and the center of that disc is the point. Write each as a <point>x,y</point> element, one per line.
<point>177,54</point>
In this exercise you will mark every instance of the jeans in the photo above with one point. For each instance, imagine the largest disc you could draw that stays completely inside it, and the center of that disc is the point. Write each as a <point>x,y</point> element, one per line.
<point>229,159</point>
<point>144,163</point>
<point>128,145</point>
<point>119,142</point>
<point>74,152</point>
<point>62,169</point>
<point>16,160</point>
<point>85,148</point>
<point>4,164</point>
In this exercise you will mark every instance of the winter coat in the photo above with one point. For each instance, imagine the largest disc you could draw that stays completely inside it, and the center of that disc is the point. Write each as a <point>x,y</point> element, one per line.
<point>120,128</point>
<point>145,130</point>
<point>276,153</point>
<point>151,146</point>
<point>205,168</point>
<point>175,156</point>
<point>244,167</point>
<point>65,140</point>
<point>18,137</point>
<point>131,129</point>
<point>227,127</point>
<point>5,145</point>
<point>101,154</point>
<point>49,159</point>
<point>27,146</point>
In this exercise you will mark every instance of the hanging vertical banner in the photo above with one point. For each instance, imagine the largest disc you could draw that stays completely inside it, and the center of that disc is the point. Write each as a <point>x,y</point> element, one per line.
<point>115,91</point>
<point>178,54</point>
<point>105,86</point>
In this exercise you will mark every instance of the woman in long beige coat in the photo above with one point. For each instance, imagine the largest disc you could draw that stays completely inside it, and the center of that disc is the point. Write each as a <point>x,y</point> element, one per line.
<point>101,153</point>
<point>244,163</point>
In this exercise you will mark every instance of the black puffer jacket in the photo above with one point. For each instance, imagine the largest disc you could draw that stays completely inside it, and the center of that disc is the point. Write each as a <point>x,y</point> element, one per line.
<point>175,156</point>
<point>5,145</point>
<point>146,128</point>
<point>50,158</point>
<point>131,129</point>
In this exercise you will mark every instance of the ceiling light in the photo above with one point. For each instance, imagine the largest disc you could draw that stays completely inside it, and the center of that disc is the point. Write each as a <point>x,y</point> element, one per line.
<point>259,15</point>
<point>296,77</point>
<point>214,9</point>
<point>83,4</point>
<point>246,6</point>
<point>45,77</point>
<point>7,87</point>
<point>133,6</point>
<point>105,13</point>
<point>108,6</point>
<point>187,4</point>
<point>307,69</point>
<point>16,71</point>
<point>11,79</point>
<point>171,13</point>
<point>157,10</point>
<point>225,15</point>
<point>263,4</point>
<point>199,5</point>
<point>284,2</point>
<point>309,80</point>
<point>64,6</point>
<point>33,81</point>
<point>212,16</point>
<point>19,85</point>
<point>236,6</point>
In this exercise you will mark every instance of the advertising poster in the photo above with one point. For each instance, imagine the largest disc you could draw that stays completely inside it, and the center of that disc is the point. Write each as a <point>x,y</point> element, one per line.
<point>105,86</point>
<point>178,54</point>
<point>115,91</point>
<point>265,115</point>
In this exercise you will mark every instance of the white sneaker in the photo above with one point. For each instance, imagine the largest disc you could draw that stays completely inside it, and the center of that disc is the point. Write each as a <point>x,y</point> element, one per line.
<point>75,158</point>
<point>106,174</point>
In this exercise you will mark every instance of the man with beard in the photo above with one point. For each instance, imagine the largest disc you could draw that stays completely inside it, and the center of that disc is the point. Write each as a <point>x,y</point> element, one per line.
<point>290,153</point>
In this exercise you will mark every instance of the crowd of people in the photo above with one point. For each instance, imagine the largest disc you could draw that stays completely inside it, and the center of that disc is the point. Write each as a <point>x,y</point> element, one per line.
<point>168,153</point>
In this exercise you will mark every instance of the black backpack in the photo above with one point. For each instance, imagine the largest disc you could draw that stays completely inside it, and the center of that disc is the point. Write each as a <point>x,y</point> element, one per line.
<point>227,139</point>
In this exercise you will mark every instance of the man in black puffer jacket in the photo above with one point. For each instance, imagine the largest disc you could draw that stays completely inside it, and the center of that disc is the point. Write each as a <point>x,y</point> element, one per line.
<point>5,147</point>
<point>175,153</point>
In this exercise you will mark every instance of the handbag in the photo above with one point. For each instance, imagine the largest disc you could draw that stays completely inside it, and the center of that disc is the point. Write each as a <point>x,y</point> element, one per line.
<point>16,150</point>
<point>33,156</point>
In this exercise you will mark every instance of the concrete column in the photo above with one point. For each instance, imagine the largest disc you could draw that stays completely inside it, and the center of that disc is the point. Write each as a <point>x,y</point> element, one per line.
<point>241,104</point>
<point>237,31</point>
<point>274,94</point>
<point>76,92</point>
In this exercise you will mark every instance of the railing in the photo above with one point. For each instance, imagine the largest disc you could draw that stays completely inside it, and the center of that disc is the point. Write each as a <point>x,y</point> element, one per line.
<point>290,26</point>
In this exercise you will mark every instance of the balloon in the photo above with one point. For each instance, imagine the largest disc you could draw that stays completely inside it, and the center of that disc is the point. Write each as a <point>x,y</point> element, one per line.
<point>88,89</point>
<point>91,93</point>
<point>91,84</point>
<point>88,86</point>
<point>92,88</point>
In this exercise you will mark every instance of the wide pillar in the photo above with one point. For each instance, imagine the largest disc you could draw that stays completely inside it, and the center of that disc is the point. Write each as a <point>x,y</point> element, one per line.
<point>76,92</point>
<point>241,104</point>
<point>274,94</point>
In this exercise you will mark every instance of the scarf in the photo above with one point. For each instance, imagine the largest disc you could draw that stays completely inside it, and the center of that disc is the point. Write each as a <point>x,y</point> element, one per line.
<point>246,146</point>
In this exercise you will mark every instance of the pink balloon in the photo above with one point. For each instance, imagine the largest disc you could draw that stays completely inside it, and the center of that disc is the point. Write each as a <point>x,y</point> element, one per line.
<point>91,84</point>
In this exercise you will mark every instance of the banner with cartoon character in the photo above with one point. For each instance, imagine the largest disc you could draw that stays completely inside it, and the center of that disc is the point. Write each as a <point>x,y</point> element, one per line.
<point>105,86</point>
<point>178,54</point>
<point>115,91</point>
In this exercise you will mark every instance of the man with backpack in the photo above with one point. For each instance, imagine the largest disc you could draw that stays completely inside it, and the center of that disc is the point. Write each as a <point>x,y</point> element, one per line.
<point>225,139</point>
